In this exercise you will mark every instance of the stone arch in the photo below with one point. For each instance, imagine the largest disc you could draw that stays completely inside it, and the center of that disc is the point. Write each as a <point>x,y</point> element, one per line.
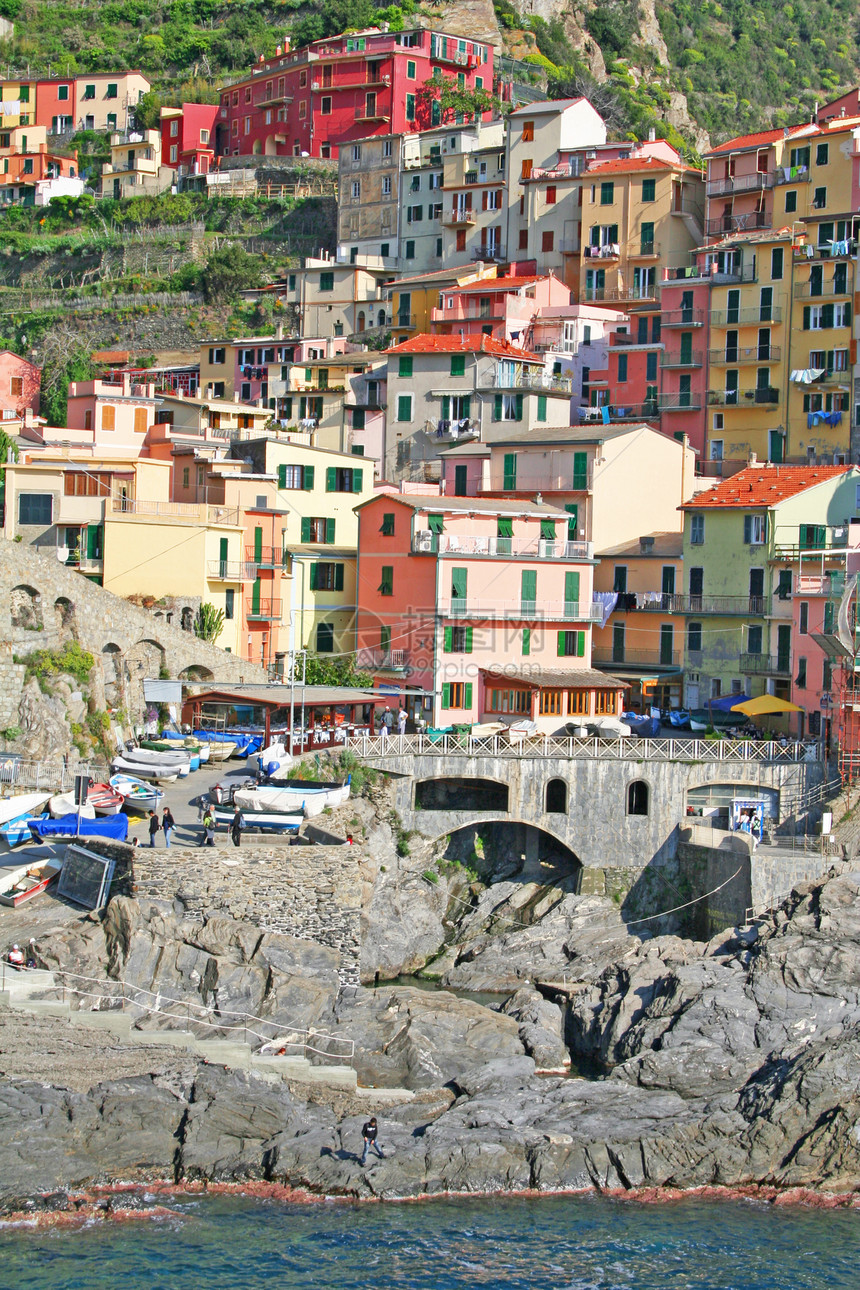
<point>66,618</point>
<point>638,797</point>
<point>25,606</point>
<point>112,674</point>
<point>271,146</point>
<point>196,672</point>
<point>187,620</point>
<point>145,659</point>
<point>361,321</point>
<point>555,797</point>
<point>380,318</point>
<point>258,147</point>
<point>515,849</point>
<point>450,794</point>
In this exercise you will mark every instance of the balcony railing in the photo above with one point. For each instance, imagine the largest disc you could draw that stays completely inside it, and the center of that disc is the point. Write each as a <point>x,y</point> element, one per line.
<point>649,411</point>
<point>492,252</point>
<point>682,318</point>
<point>769,395</point>
<point>695,358</point>
<point>456,218</point>
<point>552,611</point>
<point>822,290</point>
<point>739,223</point>
<point>745,317</point>
<point>374,114</point>
<point>571,170</point>
<point>610,251</point>
<point>757,182</point>
<point>609,656</point>
<point>424,542</point>
<point>544,382</point>
<point>267,557</point>
<point>748,354</point>
<point>765,665</point>
<point>648,291</point>
<point>644,251</point>
<point>383,660</point>
<point>685,604</point>
<point>679,402</point>
<point>839,249</point>
<point>232,570</point>
<point>194,512</point>
<point>400,320</point>
<point>791,175</point>
<point>263,609</point>
<point>452,430</point>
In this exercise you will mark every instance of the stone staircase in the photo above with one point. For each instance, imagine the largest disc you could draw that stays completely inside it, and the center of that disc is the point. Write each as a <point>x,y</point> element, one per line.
<point>26,991</point>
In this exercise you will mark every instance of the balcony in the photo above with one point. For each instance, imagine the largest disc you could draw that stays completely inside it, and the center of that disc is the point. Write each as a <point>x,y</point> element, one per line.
<point>354,83</point>
<point>765,665</point>
<point>266,557</point>
<point>174,512</point>
<point>453,430</point>
<point>745,317</point>
<point>695,358</point>
<point>404,321</point>
<point>611,251</point>
<point>791,175</point>
<point>749,354</point>
<point>608,656</point>
<point>550,611</point>
<point>682,318</point>
<point>725,224</point>
<point>846,248</point>
<point>459,218</point>
<point>644,251</point>
<point>682,401</point>
<point>542,382</point>
<point>822,290</point>
<point>754,183</point>
<point>425,542</point>
<point>570,170</point>
<point>649,411</point>
<point>494,253</point>
<point>262,610</point>
<point>232,571</point>
<point>768,396</point>
<point>383,660</point>
<point>371,114</point>
<point>695,605</point>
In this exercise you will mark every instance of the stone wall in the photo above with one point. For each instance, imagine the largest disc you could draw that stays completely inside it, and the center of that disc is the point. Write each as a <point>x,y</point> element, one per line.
<point>43,604</point>
<point>311,892</point>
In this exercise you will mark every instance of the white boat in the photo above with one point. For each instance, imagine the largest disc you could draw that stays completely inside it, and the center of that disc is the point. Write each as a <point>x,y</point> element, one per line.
<point>310,799</point>
<point>221,749</point>
<point>520,730</point>
<point>136,795</point>
<point>259,821</point>
<point>134,769</point>
<point>64,804</point>
<point>275,761</point>
<point>22,884</point>
<point>205,753</point>
<point>104,800</point>
<point>15,808</point>
<point>177,763</point>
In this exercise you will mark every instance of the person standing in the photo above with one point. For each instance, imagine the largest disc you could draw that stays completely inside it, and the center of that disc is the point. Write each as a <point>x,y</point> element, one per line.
<point>368,1133</point>
<point>153,827</point>
<point>236,827</point>
<point>208,829</point>
<point>402,718</point>
<point>168,824</point>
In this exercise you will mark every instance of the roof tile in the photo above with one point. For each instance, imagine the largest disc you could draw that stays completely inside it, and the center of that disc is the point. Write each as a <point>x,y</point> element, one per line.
<point>464,345</point>
<point>763,485</point>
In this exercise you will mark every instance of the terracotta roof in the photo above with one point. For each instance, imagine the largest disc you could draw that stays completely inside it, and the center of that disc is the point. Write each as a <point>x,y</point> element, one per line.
<point>442,504</point>
<point>764,485</point>
<point>503,284</point>
<point>627,165</point>
<point>555,677</point>
<point>759,140</point>
<point>463,345</point>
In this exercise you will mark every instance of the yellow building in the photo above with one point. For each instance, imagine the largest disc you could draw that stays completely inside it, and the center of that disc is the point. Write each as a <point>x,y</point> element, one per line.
<point>412,299</point>
<point>18,103</point>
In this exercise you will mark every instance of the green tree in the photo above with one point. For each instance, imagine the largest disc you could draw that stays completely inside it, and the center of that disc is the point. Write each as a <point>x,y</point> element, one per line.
<point>442,100</point>
<point>229,271</point>
<point>208,623</point>
<point>322,670</point>
<point>8,452</point>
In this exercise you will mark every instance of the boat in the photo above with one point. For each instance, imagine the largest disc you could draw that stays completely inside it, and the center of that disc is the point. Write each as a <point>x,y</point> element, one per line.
<point>64,803</point>
<point>14,832</point>
<point>520,730</point>
<point>189,751</point>
<point>251,745</point>
<point>295,796</point>
<point>706,719</point>
<point>259,821</point>
<point>643,726</point>
<point>15,813</point>
<point>136,795</point>
<point>180,762</point>
<point>485,729</point>
<point>109,826</point>
<point>22,884</point>
<point>274,758</point>
<point>219,749</point>
<point>679,718</point>
<point>137,770</point>
<point>104,800</point>
<point>607,728</point>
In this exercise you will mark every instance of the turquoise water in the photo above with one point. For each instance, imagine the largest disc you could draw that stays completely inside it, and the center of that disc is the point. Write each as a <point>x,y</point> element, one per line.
<point>573,1243</point>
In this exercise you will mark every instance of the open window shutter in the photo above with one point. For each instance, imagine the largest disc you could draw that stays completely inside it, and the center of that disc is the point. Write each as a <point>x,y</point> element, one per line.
<point>561,644</point>
<point>306,528</point>
<point>313,579</point>
<point>547,530</point>
<point>467,695</point>
<point>282,476</point>
<point>458,584</point>
<point>519,407</point>
<point>497,407</point>
<point>449,640</point>
<point>308,480</point>
<point>827,316</point>
<point>338,577</point>
<point>806,316</point>
<point>329,531</point>
<point>747,528</point>
<point>571,589</point>
<point>330,479</point>
<point>258,545</point>
<point>446,696</point>
<point>505,528</point>
<point>468,642</point>
<point>527,640</point>
<point>580,644</point>
<point>357,478</point>
<point>446,407</point>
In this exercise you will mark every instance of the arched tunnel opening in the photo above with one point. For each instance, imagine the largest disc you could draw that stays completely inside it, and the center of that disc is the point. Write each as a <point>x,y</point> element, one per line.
<point>512,851</point>
<point>460,795</point>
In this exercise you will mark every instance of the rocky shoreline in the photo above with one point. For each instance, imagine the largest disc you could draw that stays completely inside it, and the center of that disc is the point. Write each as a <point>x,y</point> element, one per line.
<point>730,1068</point>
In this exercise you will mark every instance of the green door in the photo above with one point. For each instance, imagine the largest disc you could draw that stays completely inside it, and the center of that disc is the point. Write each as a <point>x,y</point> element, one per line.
<point>509,470</point>
<point>571,595</point>
<point>255,598</point>
<point>573,521</point>
<point>783,647</point>
<point>580,470</point>
<point>223,547</point>
<point>258,546</point>
<point>528,591</point>
<point>460,484</point>
<point>667,640</point>
<point>686,347</point>
<point>458,591</point>
<point>95,534</point>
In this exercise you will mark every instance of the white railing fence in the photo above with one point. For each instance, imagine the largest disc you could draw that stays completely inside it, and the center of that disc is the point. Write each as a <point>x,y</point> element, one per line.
<point>573,748</point>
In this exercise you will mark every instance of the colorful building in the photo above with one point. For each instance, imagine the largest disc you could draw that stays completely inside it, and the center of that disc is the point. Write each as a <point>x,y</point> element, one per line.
<point>505,307</point>
<point>485,606</point>
<point>188,137</point>
<point>135,168</point>
<point>20,383</point>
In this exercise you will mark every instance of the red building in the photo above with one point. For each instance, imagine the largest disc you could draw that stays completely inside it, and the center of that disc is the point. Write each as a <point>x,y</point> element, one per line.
<point>310,101</point>
<point>188,137</point>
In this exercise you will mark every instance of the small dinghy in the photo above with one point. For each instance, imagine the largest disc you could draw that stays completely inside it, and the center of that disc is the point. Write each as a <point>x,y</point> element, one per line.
<point>259,821</point>
<point>104,800</point>
<point>15,814</point>
<point>137,770</point>
<point>20,885</point>
<point>679,718</point>
<point>296,795</point>
<point>64,804</point>
<point>136,795</point>
<point>178,762</point>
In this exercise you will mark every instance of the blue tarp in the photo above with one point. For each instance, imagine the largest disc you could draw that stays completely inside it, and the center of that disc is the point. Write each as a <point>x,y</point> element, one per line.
<point>106,826</point>
<point>727,702</point>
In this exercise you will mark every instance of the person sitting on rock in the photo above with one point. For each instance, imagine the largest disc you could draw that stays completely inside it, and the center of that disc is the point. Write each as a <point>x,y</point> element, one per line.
<point>369,1132</point>
<point>15,957</point>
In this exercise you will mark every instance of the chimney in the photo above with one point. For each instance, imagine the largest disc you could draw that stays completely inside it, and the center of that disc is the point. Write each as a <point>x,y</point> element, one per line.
<point>753,458</point>
<point>538,499</point>
<point>646,544</point>
<point>279,331</point>
<point>652,135</point>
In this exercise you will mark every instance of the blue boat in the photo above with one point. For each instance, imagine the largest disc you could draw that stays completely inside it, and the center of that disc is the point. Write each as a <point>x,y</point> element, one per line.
<point>104,826</point>
<point>17,831</point>
<point>643,726</point>
<point>679,718</point>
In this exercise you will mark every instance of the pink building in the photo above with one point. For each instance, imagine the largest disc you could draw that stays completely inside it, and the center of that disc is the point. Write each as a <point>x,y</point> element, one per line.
<point>112,414</point>
<point>188,137</point>
<point>505,308</point>
<point>485,605</point>
<point>19,386</point>
<point>816,674</point>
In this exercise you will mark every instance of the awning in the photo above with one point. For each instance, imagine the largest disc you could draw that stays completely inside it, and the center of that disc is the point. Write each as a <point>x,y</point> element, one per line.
<point>765,705</point>
<point>651,678</point>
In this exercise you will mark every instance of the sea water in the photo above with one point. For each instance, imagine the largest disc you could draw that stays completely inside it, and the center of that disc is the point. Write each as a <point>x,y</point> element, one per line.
<point>559,1243</point>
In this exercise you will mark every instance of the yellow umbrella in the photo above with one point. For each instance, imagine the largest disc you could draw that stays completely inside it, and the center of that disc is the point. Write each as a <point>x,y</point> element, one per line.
<point>764,705</point>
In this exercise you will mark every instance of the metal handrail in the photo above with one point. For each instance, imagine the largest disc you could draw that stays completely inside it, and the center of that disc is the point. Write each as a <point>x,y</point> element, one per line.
<point>573,748</point>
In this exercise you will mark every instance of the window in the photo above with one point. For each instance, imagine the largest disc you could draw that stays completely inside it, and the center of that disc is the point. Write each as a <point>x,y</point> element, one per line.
<point>140,421</point>
<point>109,417</point>
<point>405,366</point>
<point>509,701</point>
<point>404,407</point>
<point>414,214</point>
<point>410,250</point>
<point>803,626</point>
<point>35,508</point>
<point>822,154</point>
<point>457,640</point>
<point>112,91</point>
<point>637,798</point>
<point>550,195</point>
<point>578,703</point>
<point>458,694</point>
<point>791,201</point>
<point>356,189</point>
<point>694,638</point>
<point>186,477</point>
<point>607,194</point>
<point>296,477</point>
<point>76,484</point>
<point>605,702</point>
<point>174,152</point>
<point>649,190</point>
<point>549,704</point>
<point>622,367</point>
<point>410,70</point>
<point>28,165</point>
<point>217,356</point>
<point>388,524</point>
<point>571,644</point>
<point>547,240</point>
<point>340,480</point>
<point>229,603</point>
<point>819,198</point>
<point>528,131</point>
<point>458,364</point>
<point>386,186</point>
<point>325,638</point>
<point>755,529</point>
<point>386,148</point>
<point>754,640</point>
<point>777,256</point>
<point>326,282</point>
<point>325,105</point>
<point>697,529</point>
<point>318,531</point>
<point>410,107</point>
<point>204,136</point>
<point>326,577</point>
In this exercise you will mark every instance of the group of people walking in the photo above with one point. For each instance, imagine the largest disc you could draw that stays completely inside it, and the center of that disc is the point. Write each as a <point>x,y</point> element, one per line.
<point>205,818</point>
<point>166,823</point>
